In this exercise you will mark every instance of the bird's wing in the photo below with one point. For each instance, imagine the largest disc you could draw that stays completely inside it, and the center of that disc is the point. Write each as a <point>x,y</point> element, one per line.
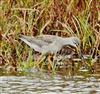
<point>47,38</point>
<point>33,42</point>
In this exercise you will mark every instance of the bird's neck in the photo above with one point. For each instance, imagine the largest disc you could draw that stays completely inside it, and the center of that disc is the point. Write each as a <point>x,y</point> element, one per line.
<point>66,41</point>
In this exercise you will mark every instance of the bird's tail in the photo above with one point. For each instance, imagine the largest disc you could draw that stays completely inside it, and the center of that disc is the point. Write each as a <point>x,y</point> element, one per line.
<point>26,39</point>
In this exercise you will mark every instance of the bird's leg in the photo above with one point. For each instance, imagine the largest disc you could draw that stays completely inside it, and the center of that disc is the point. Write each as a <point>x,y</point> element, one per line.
<point>50,61</point>
<point>55,59</point>
<point>44,61</point>
<point>38,62</point>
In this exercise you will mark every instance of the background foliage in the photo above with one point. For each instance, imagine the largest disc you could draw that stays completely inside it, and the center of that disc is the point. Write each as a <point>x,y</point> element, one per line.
<point>56,17</point>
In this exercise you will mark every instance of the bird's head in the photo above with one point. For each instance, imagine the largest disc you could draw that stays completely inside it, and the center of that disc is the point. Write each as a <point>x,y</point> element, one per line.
<point>71,41</point>
<point>75,42</point>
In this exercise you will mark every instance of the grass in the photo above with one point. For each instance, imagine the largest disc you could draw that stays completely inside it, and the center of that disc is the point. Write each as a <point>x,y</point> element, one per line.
<point>57,17</point>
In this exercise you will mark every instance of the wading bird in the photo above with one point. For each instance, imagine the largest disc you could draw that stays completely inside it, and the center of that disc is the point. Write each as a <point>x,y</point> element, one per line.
<point>49,43</point>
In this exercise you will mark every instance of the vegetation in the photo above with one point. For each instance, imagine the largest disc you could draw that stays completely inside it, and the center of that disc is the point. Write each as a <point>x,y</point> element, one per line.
<point>56,17</point>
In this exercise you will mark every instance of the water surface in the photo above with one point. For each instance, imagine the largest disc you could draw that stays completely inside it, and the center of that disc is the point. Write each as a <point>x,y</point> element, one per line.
<point>46,83</point>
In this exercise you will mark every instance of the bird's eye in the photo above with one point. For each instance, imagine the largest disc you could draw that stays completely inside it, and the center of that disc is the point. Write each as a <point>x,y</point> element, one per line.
<point>76,43</point>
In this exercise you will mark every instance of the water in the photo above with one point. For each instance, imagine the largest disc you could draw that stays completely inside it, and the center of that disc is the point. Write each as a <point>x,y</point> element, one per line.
<point>46,83</point>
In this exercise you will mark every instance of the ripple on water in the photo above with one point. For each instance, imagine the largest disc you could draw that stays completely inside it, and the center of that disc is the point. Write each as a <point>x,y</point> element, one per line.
<point>56,85</point>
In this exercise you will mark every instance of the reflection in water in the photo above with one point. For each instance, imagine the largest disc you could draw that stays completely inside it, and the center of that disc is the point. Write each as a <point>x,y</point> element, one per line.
<point>46,84</point>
